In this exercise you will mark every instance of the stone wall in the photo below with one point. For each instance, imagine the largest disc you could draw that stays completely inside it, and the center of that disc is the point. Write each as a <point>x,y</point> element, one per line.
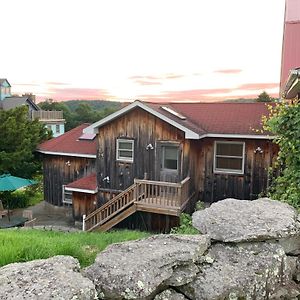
<point>247,250</point>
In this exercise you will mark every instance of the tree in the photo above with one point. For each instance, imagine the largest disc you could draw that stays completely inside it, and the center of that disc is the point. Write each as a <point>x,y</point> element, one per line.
<point>264,97</point>
<point>284,123</point>
<point>19,138</point>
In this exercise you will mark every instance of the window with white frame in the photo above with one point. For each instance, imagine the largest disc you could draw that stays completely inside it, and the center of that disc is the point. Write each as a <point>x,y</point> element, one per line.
<point>229,157</point>
<point>125,150</point>
<point>66,196</point>
<point>170,157</point>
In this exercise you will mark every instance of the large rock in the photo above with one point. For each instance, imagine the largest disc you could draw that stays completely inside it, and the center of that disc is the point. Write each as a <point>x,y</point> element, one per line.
<point>54,278</point>
<point>232,220</point>
<point>170,294</point>
<point>137,270</point>
<point>240,271</point>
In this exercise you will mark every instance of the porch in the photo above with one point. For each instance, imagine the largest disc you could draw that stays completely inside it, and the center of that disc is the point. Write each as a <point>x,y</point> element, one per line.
<point>144,195</point>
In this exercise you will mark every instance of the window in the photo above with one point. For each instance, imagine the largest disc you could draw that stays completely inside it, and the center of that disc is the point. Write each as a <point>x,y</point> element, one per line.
<point>229,157</point>
<point>66,196</point>
<point>125,150</point>
<point>57,129</point>
<point>170,157</point>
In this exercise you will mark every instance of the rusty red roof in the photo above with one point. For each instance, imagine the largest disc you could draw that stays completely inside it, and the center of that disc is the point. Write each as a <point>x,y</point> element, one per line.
<point>291,40</point>
<point>70,143</point>
<point>218,118</point>
<point>87,183</point>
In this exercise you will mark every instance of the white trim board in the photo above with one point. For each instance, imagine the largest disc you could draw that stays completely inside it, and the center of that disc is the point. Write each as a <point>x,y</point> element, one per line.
<point>237,136</point>
<point>68,154</point>
<point>81,190</point>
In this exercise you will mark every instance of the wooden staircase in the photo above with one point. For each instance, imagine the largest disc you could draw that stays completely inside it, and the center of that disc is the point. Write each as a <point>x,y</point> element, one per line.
<point>144,195</point>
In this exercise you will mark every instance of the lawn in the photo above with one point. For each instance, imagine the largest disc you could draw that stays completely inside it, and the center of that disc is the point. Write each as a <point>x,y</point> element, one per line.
<point>24,245</point>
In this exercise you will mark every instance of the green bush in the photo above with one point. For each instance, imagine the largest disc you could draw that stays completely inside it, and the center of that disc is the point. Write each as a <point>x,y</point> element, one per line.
<point>284,123</point>
<point>185,225</point>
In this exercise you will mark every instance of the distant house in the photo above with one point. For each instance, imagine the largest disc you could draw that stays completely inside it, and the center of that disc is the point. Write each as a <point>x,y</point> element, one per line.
<point>4,89</point>
<point>53,120</point>
<point>67,159</point>
<point>155,160</point>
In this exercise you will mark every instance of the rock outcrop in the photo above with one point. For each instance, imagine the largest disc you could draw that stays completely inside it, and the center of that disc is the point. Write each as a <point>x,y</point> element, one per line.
<point>249,250</point>
<point>232,220</point>
<point>140,269</point>
<point>54,278</point>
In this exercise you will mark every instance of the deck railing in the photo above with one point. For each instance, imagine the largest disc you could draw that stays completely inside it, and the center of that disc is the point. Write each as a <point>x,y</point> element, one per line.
<point>154,193</point>
<point>163,194</point>
<point>47,115</point>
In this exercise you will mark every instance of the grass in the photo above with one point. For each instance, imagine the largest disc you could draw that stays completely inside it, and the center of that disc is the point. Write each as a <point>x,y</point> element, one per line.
<point>25,245</point>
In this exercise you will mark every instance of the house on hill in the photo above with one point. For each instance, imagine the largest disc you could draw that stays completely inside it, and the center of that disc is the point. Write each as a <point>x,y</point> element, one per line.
<point>155,160</point>
<point>53,120</point>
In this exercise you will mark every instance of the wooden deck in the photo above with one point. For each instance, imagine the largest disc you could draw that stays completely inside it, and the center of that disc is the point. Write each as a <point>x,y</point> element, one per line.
<point>144,195</point>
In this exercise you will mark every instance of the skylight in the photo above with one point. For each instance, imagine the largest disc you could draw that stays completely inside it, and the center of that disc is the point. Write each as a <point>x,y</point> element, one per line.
<point>173,112</point>
<point>87,136</point>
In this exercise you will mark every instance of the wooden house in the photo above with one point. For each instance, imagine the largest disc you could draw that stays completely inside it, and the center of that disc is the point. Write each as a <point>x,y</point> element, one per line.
<point>154,161</point>
<point>158,159</point>
<point>66,159</point>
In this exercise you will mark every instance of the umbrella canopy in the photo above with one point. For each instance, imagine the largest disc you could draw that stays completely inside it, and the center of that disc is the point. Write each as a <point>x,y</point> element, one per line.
<point>12,183</point>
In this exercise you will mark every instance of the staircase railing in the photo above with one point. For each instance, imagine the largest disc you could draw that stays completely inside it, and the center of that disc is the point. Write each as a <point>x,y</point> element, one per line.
<point>153,193</point>
<point>110,209</point>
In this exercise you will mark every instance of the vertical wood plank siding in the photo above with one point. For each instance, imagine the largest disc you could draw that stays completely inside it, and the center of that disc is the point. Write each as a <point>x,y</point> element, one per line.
<point>196,159</point>
<point>212,187</point>
<point>58,172</point>
<point>144,129</point>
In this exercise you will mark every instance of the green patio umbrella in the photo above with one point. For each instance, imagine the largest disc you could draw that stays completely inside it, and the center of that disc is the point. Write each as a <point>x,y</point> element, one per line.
<point>12,183</point>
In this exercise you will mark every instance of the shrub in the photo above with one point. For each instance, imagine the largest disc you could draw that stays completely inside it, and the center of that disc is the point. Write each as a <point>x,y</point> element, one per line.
<point>186,226</point>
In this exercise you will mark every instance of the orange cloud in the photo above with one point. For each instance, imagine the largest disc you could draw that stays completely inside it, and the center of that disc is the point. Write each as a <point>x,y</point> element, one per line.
<point>229,71</point>
<point>258,86</point>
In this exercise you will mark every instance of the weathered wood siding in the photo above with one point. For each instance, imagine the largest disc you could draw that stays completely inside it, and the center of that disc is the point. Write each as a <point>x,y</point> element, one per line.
<point>83,204</point>
<point>144,129</point>
<point>212,186</point>
<point>61,170</point>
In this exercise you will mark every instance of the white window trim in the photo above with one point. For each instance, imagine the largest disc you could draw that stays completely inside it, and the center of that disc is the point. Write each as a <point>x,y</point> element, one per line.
<point>163,157</point>
<point>229,171</point>
<point>64,200</point>
<point>125,159</point>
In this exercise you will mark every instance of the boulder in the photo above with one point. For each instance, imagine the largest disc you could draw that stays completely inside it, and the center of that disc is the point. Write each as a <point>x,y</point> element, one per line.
<point>139,269</point>
<point>170,294</point>
<point>54,278</point>
<point>239,271</point>
<point>232,220</point>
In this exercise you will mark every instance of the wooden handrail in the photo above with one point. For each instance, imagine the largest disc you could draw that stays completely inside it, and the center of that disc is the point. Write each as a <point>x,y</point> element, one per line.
<point>148,192</point>
<point>110,208</point>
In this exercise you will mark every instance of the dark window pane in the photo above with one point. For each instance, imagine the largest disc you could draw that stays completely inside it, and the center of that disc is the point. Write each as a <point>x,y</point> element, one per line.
<point>125,145</point>
<point>230,149</point>
<point>171,153</point>
<point>124,153</point>
<point>229,163</point>
<point>171,164</point>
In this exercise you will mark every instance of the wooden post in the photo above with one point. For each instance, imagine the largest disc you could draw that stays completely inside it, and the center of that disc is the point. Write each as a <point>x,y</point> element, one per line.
<point>83,222</point>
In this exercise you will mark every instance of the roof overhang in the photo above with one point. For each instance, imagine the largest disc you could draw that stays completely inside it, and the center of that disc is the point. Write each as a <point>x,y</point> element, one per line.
<point>238,136</point>
<point>67,154</point>
<point>86,191</point>
<point>189,134</point>
<point>292,86</point>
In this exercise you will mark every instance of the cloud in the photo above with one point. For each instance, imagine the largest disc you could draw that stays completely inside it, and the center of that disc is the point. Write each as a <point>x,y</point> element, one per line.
<point>218,94</point>
<point>79,93</point>
<point>154,80</point>
<point>229,71</point>
<point>258,86</point>
<point>57,83</point>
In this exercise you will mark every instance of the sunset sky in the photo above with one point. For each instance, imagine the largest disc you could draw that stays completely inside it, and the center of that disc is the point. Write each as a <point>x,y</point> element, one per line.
<point>168,50</point>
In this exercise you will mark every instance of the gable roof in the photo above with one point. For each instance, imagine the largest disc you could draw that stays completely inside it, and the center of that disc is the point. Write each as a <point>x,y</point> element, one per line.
<point>13,102</point>
<point>200,120</point>
<point>70,144</point>
<point>87,184</point>
<point>2,80</point>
